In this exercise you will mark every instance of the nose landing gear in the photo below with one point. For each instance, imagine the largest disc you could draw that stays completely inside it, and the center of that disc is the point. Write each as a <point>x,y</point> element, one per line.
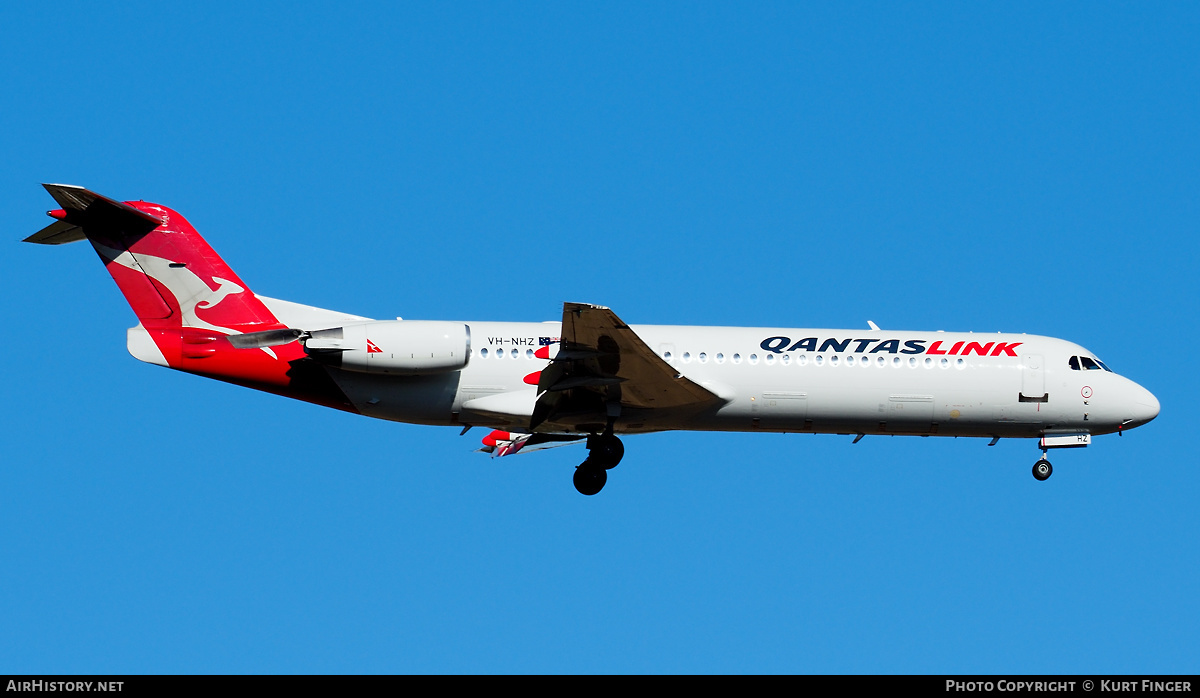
<point>1042,469</point>
<point>604,453</point>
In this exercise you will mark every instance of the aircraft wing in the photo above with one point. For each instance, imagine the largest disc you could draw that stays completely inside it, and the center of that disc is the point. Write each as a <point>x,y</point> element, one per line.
<point>604,369</point>
<point>506,443</point>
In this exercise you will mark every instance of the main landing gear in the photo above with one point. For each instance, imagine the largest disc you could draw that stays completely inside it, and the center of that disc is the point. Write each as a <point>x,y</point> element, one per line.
<point>1042,469</point>
<point>604,453</point>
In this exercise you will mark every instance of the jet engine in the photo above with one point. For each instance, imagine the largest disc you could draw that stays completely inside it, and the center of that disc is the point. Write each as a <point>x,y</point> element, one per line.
<point>400,347</point>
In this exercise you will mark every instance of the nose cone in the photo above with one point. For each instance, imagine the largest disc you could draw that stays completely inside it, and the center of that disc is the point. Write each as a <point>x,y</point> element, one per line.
<point>1142,408</point>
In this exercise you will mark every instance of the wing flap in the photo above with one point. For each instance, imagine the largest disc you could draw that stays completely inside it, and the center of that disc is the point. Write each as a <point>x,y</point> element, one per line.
<point>506,443</point>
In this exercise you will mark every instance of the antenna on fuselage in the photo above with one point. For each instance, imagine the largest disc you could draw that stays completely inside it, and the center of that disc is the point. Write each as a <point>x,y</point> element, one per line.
<point>873,325</point>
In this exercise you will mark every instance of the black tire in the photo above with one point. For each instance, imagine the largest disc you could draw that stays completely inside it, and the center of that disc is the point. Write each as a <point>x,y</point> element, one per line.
<point>605,451</point>
<point>590,479</point>
<point>1042,469</point>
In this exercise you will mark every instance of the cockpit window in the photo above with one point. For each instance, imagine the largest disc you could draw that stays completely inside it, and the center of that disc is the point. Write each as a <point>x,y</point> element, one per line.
<point>1086,363</point>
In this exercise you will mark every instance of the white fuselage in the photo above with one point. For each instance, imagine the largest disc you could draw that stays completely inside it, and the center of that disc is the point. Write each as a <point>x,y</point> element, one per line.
<point>589,376</point>
<point>795,380</point>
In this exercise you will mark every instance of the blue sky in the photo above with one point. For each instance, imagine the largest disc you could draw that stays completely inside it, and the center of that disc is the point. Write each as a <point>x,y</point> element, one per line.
<point>943,166</point>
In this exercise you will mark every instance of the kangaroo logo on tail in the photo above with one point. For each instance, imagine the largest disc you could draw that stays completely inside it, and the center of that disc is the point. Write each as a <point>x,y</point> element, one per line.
<point>190,291</point>
<point>224,288</point>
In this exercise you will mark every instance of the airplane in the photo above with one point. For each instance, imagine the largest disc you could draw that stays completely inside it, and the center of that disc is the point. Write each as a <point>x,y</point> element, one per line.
<point>589,377</point>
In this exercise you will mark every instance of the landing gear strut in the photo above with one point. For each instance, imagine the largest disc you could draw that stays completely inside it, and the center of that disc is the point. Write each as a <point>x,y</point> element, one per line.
<point>604,453</point>
<point>605,450</point>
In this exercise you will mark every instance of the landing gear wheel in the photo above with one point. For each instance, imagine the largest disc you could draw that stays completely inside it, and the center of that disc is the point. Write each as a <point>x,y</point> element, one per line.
<point>1042,469</point>
<point>605,451</point>
<point>590,479</point>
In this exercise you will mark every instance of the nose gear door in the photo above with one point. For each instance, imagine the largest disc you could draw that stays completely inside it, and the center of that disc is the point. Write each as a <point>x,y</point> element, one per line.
<point>1033,379</point>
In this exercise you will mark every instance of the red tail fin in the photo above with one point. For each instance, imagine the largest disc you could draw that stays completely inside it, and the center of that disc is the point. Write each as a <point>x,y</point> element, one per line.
<point>168,273</point>
<point>187,299</point>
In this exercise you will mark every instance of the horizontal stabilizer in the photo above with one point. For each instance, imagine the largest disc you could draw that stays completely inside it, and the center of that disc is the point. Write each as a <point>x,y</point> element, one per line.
<point>83,208</point>
<point>57,233</point>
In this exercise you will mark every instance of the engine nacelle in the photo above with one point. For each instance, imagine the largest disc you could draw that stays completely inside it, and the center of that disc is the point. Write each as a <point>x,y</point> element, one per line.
<point>402,347</point>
